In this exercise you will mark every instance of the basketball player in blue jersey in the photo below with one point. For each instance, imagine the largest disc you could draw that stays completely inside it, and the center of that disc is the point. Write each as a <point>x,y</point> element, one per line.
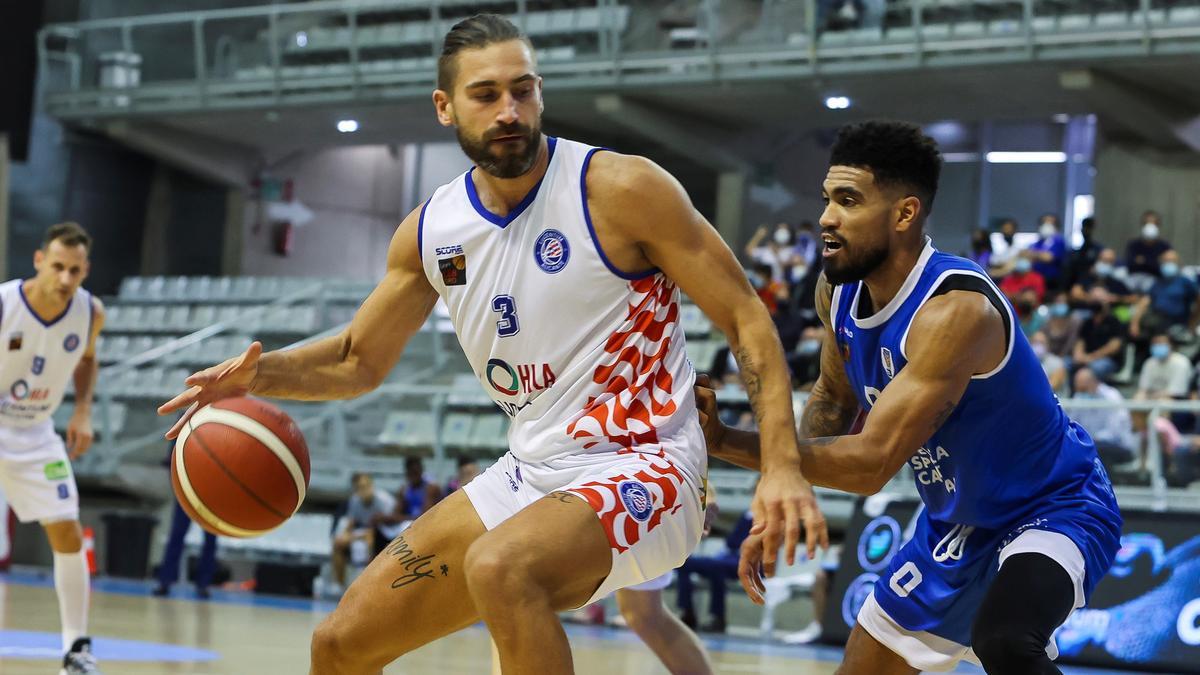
<point>1019,519</point>
<point>562,268</point>
<point>48,330</point>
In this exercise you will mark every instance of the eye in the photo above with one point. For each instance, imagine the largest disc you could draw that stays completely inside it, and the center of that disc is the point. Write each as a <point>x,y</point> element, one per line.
<point>847,201</point>
<point>524,93</point>
<point>485,97</point>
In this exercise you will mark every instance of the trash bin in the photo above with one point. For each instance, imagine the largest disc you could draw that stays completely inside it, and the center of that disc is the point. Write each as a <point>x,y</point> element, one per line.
<point>127,547</point>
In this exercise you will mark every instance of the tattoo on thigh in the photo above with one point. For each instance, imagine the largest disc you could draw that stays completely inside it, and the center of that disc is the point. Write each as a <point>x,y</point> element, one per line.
<point>416,566</point>
<point>564,497</point>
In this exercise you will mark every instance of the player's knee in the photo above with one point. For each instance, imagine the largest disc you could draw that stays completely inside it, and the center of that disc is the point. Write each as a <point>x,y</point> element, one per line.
<point>66,536</point>
<point>492,573</point>
<point>641,617</point>
<point>1005,648</point>
<point>334,649</point>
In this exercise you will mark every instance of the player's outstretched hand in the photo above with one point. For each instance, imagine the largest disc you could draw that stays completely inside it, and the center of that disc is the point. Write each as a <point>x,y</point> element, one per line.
<point>783,502</point>
<point>750,571</point>
<point>79,435</point>
<point>225,380</point>
<point>706,406</point>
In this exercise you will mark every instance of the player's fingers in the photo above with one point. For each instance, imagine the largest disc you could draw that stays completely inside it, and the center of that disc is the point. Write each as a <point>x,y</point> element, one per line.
<point>249,358</point>
<point>791,529</point>
<point>703,380</point>
<point>185,399</point>
<point>178,426</point>
<point>748,572</point>
<point>772,538</point>
<point>816,532</point>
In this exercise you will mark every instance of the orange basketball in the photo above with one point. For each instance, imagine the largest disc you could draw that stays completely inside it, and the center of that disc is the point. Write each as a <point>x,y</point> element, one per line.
<point>240,467</point>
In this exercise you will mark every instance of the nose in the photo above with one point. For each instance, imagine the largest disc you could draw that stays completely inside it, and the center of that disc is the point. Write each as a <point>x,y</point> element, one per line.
<point>827,219</point>
<point>508,109</point>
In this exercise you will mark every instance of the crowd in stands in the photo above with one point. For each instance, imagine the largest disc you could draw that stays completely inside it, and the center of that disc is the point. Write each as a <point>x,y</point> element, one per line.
<point>1107,323</point>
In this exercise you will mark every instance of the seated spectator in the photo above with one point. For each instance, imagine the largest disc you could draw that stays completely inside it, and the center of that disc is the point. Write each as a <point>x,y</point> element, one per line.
<point>1030,314</point>
<point>1099,284</point>
<point>772,292</point>
<point>1101,343</point>
<point>419,493</point>
<point>806,252</point>
<point>1022,278</point>
<point>1173,300</point>
<point>805,359</point>
<point>1167,374</point>
<point>1110,428</point>
<point>1049,252</point>
<point>1004,249</point>
<point>1142,255</point>
<point>774,248</point>
<point>981,249</point>
<point>1061,326</point>
<point>468,469</point>
<point>364,512</point>
<point>718,570</point>
<point>1053,365</point>
<point>1082,260</point>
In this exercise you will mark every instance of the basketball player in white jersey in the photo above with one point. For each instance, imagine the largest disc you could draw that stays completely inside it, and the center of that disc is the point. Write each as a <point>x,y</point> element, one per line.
<point>48,329</point>
<point>562,269</point>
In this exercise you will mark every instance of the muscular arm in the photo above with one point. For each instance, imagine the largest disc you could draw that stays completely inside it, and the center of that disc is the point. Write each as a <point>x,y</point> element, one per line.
<point>651,209</point>
<point>88,366</point>
<point>953,337</point>
<point>358,360</point>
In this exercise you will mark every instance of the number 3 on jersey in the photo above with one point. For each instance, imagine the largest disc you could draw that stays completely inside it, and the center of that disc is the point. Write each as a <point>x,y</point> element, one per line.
<point>508,325</point>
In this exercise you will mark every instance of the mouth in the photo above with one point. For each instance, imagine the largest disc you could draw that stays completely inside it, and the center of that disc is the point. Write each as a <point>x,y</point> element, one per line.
<point>832,246</point>
<point>506,140</point>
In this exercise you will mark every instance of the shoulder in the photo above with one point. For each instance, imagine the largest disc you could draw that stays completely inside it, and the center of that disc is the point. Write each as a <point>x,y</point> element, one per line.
<point>956,318</point>
<point>614,176</point>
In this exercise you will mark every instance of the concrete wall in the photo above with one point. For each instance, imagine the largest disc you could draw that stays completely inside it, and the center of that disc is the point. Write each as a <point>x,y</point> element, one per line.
<point>1130,180</point>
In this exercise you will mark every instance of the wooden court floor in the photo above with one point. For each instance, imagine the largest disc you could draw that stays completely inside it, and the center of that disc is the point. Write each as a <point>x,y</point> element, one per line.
<point>238,634</point>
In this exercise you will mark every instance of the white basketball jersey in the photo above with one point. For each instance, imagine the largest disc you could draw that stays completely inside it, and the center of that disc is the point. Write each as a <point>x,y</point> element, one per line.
<point>39,358</point>
<point>584,358</point>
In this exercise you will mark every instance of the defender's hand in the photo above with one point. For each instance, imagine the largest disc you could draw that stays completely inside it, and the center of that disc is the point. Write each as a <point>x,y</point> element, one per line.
<point>750,568</point>
<point>706,406</point>
<point>783,501</point>
<point>226,380</point>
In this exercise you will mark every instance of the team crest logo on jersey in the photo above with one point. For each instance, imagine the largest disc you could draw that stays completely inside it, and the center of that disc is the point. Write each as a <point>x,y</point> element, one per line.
<point>885,355</point>
<point>636,499</point>
<point>71,342</point>
<point>14,341</point>
<point>454,270</point>
<point>551,251</point>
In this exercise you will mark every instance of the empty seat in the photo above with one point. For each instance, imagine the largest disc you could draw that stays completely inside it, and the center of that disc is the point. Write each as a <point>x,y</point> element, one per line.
<point>490,432</point>
<point>178,319</point>
<point>407,429</point>
<point>694,322</point>
<point>456,430</point>
<point>132,288</point>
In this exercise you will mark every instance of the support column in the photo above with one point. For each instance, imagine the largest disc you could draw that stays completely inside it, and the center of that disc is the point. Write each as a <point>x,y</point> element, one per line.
<point>3,206</point>
<point>731,203</point>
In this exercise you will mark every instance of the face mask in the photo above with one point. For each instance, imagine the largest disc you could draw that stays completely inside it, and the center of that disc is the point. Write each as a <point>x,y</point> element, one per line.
<point>782,237</point>
<point>1160,351</point>
<point>1104,269</point>
<point>1087,395</point>
<point>1039,349</point>
<point>1059,309</point>
<point>1169,269</point>
<point>799,271</point>
<point>1047,231</point>
<point>1023,265</point>
<point>1150,231</point>
<point>756,281</point>
<point>808,347</point>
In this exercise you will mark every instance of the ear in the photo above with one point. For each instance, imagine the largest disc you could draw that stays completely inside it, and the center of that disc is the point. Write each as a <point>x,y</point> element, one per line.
<point>39,256</point>
<point>444,107</point>
<point>87,269</point>
<point>907,214</point>
<point>541,100</point>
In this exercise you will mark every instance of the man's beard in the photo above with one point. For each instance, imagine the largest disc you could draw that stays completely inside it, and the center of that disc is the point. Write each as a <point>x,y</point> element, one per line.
<point>510,164</point>
<point>854,265</point>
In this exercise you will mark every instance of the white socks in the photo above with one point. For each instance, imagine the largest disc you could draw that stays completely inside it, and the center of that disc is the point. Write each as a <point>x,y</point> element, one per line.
<point>71,584</point>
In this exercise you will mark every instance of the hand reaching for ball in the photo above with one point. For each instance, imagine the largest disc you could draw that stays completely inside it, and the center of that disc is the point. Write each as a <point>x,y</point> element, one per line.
<point>232,378</point>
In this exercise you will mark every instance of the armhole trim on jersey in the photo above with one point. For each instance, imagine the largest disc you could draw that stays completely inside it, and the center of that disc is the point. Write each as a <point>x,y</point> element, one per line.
<point>421,232</point>
<point>994,297</point>
<point>587,217</point>
<point>91,317</point>
<point>834,300</point>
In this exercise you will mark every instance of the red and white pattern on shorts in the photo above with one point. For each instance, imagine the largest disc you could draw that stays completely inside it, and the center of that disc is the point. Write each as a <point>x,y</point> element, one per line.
<point>661,479</point>
<point>638,385</point>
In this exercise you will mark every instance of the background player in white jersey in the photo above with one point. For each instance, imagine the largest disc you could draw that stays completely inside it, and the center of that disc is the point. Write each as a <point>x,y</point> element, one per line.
<point>48,329</point>
<point>559,266</point>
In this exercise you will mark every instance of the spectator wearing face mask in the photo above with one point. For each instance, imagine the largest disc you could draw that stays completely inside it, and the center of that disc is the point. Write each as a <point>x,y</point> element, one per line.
<point>772,247</point>
<point>1081,261</point>
<point>1101,343</point>
<point>1173,300</point>
<point>771,291</point>
<point>1061,327</point>
<point>981,249</point>
<point>1143,254</point>
<point>1005,252</point>
<point>1167,374</point>
<point>1100,284</point>
<point>1110,427</point>
<point>1023,278</point>
<point>1052,364</point>
<point>1049,252</point>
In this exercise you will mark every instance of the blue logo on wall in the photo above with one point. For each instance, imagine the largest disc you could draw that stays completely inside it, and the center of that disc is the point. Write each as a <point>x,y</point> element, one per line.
<point>71,343</point>
<point>856,595</point>
<point>551,251</point>
<point>637,500</point>
<point>879,541</point>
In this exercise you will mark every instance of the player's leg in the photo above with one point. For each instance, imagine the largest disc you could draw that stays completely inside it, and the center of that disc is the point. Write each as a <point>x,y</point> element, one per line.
<point>679,649</point>
<point>550,556</point>
<point>867,656</point>
<point>338,556</point>
<point>1030,597</point>
<point>70,578</point>
<point>412,593</point>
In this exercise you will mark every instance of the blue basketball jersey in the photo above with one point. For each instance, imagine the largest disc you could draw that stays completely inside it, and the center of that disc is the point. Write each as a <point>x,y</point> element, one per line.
<point>1007,450</point>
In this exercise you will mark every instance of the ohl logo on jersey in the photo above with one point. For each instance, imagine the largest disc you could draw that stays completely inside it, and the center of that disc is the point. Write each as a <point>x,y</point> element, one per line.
<point>521,380</point>
<point>551,251</point>
<point>20,391</point>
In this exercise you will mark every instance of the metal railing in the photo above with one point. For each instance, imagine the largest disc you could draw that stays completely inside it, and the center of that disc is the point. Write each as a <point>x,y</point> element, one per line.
<point>329,51</point>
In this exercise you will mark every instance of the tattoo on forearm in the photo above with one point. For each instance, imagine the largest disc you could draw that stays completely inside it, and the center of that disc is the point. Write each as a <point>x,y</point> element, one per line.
<point>750,376</point>
<point>943,415</point>
<point>564,497</point>
<point>416,566</point>
<point>823,418</point>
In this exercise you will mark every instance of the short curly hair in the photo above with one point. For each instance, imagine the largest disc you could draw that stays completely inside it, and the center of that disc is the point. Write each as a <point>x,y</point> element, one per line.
<point>897,153</point>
